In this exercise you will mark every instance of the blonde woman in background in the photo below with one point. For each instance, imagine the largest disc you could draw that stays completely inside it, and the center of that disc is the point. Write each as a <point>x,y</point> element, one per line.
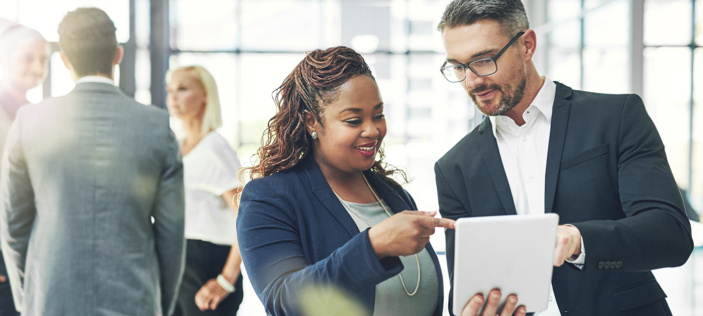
<point>212,282</point>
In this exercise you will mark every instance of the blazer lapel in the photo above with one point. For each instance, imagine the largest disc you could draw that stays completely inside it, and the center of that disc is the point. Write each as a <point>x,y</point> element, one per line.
<point>494,165</point>
<point>557,135</point>
<point>324,193</point>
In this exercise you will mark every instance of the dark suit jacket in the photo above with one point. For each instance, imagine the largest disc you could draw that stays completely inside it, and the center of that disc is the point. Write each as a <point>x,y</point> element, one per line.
<point>607,174</point>
<point>293,233</point>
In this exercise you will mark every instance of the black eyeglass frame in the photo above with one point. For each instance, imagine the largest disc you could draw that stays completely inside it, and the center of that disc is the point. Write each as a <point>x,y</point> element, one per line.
<point>468,65</point>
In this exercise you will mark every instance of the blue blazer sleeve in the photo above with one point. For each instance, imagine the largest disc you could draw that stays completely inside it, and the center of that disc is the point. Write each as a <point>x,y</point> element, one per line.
<point>278,257</point>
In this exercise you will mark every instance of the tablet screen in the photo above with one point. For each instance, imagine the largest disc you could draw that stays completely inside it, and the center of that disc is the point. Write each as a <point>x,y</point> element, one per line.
<point>513,253</point>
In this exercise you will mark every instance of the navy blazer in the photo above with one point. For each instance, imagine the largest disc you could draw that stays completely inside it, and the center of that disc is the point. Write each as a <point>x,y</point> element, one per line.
<point>293,232</point>
<point>607,174</point>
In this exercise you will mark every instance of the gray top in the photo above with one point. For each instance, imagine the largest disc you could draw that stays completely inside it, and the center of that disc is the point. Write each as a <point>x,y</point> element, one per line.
<point>391,298</point>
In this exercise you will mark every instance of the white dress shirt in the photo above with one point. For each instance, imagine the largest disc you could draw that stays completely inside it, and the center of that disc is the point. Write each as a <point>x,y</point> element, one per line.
<point>99,79</point>
<point>523,150</point>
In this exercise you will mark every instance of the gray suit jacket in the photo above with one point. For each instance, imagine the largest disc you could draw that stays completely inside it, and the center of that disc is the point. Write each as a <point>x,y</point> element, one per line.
<point>92,212</point>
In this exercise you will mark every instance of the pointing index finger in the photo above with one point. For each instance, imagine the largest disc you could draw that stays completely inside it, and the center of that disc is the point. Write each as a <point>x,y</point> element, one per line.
<point>439,222</point>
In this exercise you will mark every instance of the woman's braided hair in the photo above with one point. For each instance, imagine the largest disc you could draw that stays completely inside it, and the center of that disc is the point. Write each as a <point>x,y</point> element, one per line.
<point>312,84</point>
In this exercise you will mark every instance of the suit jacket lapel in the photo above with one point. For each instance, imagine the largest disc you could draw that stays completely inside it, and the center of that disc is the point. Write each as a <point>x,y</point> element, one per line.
<point>324,193</point>
<point>557,135</point>
<point>491,157</point>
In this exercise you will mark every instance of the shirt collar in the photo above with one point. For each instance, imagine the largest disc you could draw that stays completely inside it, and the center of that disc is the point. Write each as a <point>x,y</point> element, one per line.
<point>543,102</point>
<point>99,79</point>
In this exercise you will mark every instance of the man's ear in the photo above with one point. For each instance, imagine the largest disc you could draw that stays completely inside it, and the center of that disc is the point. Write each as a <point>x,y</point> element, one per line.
<point>310,122</point>
<point>118,55</point>
<point>529,44</point>
<point>66,63</point>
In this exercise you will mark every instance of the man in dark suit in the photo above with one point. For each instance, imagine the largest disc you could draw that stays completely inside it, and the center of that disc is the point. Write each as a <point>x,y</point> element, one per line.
<point>594,159</point>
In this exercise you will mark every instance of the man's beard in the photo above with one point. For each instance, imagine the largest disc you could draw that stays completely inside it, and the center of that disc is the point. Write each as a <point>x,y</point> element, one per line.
<point>508,100</point>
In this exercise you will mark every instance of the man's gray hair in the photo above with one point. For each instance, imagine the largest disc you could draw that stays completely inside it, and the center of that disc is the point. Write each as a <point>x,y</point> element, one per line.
<point>509,13</point>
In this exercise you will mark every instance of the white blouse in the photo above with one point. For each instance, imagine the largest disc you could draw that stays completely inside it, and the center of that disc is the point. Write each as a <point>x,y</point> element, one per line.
<point>210,170</point>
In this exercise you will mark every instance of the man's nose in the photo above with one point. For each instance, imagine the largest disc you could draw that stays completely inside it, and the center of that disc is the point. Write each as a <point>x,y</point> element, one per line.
<point>472,80</point>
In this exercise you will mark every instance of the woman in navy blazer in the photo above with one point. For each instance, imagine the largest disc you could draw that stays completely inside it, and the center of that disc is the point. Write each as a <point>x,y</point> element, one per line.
<point>320,156</point>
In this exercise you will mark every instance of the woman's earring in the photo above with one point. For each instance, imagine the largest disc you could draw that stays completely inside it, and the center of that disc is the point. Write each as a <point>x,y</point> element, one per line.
<point>314,135</point>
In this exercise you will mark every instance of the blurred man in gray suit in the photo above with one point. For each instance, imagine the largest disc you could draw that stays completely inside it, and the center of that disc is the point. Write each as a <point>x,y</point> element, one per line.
<point>92,211</point>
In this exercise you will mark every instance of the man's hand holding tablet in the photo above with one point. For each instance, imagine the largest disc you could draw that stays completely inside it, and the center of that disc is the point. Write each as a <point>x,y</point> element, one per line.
<point>491,308</point>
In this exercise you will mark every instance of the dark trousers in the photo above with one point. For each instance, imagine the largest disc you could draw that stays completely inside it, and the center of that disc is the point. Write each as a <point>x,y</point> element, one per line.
<point>204,261</point>
<point>7,305</point>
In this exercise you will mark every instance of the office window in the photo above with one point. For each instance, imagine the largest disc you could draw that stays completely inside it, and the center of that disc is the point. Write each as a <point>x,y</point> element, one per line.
<point>280,25</point>
<point>667,91</point>
<point>44,16</point>
<point>564,54</point>
<point>699,23</point>
<point>605,53</point>
<point>696,186</point>
<point>669,38</point>
<point>667,22</point>
<point>203,25</point>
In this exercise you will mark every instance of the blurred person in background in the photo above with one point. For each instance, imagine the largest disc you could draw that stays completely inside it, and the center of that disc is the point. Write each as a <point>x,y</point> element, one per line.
<point>92,209</point>
<point>24,55</point>
<point>212,279</point>
<point>323,213</point>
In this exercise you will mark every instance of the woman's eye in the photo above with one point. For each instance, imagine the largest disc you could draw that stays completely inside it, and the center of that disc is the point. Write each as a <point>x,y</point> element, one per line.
<point>353,122</point>
<point>380,116</point>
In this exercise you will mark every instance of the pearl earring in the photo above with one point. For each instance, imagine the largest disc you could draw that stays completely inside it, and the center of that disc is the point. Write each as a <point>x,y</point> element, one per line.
<point>314,135</point>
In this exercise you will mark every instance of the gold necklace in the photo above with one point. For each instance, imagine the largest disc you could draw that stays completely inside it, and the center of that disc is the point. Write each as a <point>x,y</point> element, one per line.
<point>402,282</point>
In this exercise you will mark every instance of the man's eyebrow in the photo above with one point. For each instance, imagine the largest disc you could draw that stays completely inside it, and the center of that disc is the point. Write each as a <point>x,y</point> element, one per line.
<point>488,51</point>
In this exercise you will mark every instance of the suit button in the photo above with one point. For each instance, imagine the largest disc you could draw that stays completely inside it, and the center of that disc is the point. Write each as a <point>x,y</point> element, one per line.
<point>607,265</point>
<point>600,265</point>
<point>618,265</point>
<point>612,265</point>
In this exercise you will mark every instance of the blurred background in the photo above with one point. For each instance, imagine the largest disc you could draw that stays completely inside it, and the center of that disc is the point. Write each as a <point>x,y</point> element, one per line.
<point>650,47</point>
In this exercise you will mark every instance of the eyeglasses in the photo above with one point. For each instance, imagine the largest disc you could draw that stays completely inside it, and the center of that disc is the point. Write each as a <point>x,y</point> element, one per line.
<point>481,67</point>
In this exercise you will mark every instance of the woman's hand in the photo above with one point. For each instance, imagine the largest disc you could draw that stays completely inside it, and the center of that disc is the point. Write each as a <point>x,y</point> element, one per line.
<point>491,308</point>
<point>405,233</point>
<point>210,295</point>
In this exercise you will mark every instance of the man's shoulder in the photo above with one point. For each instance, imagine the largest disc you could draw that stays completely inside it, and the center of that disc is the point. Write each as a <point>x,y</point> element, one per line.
<point>595,106</point>
<point>579,95</point>
<point>581,98</point>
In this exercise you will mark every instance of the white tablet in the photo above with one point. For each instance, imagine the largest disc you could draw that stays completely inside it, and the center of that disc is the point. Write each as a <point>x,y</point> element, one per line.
<point>513,253</point>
